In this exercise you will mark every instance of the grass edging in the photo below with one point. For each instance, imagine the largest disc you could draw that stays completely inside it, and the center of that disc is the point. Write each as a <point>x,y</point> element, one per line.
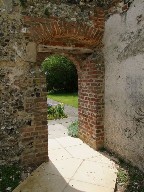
<point>66,98</point>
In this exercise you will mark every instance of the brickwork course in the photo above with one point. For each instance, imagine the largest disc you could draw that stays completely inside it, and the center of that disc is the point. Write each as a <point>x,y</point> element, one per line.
<point>31,31</point>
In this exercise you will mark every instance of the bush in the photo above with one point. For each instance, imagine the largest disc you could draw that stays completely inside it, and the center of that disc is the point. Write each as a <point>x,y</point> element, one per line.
<point>73,129</point>
<point>56,111</point>
<point>61,74</point>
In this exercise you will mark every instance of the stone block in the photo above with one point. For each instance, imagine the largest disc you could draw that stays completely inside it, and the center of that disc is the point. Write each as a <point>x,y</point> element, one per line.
<point>31,52</point>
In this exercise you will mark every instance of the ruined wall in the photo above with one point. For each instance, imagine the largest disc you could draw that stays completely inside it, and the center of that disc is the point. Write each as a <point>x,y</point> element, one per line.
<point>23,109</point>
<point>124,84</point>
<point>76,24</point>
<point>23,133</point>
<point>23,106</point>
<point>12,116</point>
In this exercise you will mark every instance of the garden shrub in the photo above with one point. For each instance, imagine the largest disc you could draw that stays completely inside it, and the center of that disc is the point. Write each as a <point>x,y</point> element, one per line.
<point>56,111</point>
<point>73,129</point>
<point>61,74</point>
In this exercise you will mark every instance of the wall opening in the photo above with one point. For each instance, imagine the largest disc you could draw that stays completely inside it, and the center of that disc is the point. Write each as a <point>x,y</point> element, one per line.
<point>62,99</point>
<point>91,87</point>
<point>61,74</point>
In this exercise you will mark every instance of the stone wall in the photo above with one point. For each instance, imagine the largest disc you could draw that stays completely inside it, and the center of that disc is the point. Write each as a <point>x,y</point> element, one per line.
<point>23,106</point>
<point>23,133</point>
<point>124,84</point>
<point>78,25</point>
<point>12,117</point>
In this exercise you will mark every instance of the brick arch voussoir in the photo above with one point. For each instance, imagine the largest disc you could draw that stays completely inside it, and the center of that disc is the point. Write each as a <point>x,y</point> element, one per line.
<point>43,30</point>
<point>80,33</point>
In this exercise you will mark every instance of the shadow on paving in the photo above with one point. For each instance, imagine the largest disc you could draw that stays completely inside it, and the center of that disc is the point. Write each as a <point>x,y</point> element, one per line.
<point>46,178</point>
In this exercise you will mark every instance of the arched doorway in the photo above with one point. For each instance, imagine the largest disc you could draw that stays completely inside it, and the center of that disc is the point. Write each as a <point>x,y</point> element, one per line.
<point>90,67</point>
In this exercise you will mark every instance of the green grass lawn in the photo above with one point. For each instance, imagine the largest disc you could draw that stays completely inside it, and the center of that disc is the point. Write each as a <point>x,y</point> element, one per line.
<point>66,98</point>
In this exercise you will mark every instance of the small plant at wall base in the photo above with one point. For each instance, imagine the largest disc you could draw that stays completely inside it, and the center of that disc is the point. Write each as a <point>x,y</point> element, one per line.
<point>129,178</point>
<point>56,111</point>
<point>73,129</point>
<point>122,176</point>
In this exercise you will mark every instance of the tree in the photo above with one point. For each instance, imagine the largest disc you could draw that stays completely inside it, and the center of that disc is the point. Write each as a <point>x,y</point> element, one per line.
<point>61,73</point>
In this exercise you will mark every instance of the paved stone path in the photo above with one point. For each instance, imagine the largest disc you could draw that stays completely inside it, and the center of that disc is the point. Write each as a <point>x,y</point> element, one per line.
<point>73,165</point>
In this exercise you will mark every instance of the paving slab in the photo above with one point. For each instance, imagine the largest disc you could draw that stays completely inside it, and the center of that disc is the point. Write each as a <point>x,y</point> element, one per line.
<point>74,185</point>
<point>97,174</point>
<point>58,154</point>
<point>57,131</point>
<point>65,167</point>
<point>82,151</point>
<point>102,159</point>
<point>54,144</point>
<point>63,121</point>
<point>42,181</point>
<point>69,141</point>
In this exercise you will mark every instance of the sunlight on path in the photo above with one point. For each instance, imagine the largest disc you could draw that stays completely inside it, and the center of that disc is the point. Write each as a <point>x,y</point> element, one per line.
<point>73,166</point>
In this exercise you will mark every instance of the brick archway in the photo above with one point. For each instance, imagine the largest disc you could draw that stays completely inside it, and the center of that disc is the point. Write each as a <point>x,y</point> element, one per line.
<point>78,43</point>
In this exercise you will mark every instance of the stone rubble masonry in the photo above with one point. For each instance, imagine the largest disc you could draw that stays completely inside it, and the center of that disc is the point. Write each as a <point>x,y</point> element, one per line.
<point>23,106</point>
<point>23,114</point>
<point>35,134</point>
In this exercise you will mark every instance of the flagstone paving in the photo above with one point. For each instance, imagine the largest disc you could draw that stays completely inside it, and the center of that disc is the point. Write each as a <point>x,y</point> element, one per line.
<point>73,165</point>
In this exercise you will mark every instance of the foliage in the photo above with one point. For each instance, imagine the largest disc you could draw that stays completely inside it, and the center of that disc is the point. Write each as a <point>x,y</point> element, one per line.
<point>10,176</point>
<point>61,73</point>
<point>122,176</point>
<point>129,178</point>
<point>73,129</point>
<point>66,98</point>
<point>56,111</point>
